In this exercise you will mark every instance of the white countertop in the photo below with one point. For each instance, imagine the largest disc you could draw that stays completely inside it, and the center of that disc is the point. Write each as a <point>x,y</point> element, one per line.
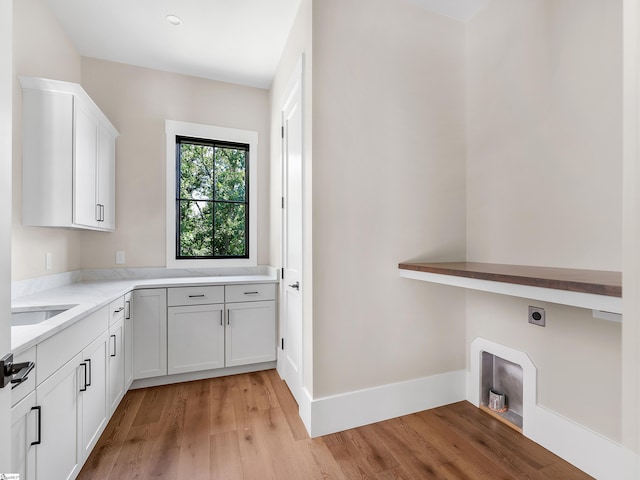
<point>91,296</point>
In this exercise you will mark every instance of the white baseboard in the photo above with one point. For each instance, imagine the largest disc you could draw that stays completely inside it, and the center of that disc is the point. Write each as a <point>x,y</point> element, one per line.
<point>589,451</point>
<point>362,407</point>
<point>189,377</point>
<point>631,465</point>
<point>592,453</point>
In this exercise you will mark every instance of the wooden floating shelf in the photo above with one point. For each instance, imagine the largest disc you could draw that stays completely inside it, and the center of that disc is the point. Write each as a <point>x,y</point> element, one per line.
<point>593,289</point>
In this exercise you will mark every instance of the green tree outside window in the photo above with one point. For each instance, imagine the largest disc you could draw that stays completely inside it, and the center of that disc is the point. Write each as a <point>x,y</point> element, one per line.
<point>212,199</point>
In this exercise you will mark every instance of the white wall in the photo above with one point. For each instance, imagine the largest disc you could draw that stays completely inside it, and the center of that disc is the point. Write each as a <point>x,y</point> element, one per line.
<point>138,101</point>
<point>388,185</point>
<point>544,184</point>
<point>40,49</point>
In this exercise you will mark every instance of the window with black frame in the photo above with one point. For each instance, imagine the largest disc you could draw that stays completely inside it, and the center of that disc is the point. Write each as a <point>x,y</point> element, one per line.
<point>212,199</point>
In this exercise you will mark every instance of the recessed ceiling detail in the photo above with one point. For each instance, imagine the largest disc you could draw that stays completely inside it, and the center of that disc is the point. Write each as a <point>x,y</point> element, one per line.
<point>462,10</point>
<point>237,41</point>
<point>174,20</point>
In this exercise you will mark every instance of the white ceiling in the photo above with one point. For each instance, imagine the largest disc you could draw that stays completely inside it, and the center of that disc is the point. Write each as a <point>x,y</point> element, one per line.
<point>237,41</point>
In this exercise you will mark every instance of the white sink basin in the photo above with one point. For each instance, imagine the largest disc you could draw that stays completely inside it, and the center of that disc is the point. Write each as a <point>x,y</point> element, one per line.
<point>21,317</point>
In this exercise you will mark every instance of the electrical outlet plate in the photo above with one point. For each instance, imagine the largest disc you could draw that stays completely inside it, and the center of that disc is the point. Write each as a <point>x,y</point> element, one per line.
<point>536,316</point>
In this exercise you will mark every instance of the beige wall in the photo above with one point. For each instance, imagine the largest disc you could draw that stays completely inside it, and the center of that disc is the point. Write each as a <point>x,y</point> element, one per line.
<point>388,185</point>
<point>577,356</point>
<point>631,237</point>
<point>138,101</point>
<point>544,184</point>
<point>299,44</point>
<point>544,135</point>
<point>41,49</point>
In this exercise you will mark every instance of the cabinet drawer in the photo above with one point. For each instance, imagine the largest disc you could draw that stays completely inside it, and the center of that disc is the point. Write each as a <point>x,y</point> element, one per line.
<point>195,295</point>
<point>55,351</point>
<point>29,385</point>
<point>255,292</point>
<point>116,311</point>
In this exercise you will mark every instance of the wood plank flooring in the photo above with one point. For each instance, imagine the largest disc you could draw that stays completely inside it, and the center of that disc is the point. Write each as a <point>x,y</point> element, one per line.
<point>246,427</point>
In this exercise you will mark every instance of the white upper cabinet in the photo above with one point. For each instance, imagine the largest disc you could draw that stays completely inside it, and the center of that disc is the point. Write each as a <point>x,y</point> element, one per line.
<point>68,157</point>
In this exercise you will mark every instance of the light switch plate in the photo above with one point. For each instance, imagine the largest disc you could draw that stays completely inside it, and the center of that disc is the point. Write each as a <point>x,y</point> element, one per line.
<point>120,259</point>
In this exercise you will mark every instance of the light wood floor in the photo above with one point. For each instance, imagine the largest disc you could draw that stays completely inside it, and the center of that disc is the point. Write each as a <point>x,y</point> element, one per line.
<point>247,427</point>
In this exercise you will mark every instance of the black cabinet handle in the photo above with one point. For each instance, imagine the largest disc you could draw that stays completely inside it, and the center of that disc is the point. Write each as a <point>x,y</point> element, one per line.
<point>118,310</point>
<point>84,365</point>
<point>251,293</point>
<point>221,320</point>
<point>89,382</point>
<point>114,346</point>
<point>39,410</point>
<point>197,296</point>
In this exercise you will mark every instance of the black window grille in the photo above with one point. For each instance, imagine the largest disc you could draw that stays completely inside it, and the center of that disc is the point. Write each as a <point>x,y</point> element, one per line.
<point>212,199</point>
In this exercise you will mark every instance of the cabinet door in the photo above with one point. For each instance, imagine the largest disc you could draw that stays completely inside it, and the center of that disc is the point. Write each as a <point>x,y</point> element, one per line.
<point>59,453</point>
<point>196,338</point>
<point>128,341</point>
<point>250,335</point>
<point>106,174</point>
<point>24,431</point>
<point>116,365</point>
<point>149,333</point>
<point>93,398</point>
<point>85,208</point>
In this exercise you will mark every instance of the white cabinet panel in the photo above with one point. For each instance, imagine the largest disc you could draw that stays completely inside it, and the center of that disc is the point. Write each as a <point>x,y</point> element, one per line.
<point>149,333</point>
<point>24,432</point>
<point>116,365</point>
<point>106,178</point>
<point>93,398</point>
<point>250,335</point>
<point>197,295</point>
<point>256,292</point>
<point>128,340</point>
<point>68,157</point>
<point>57,350</point>
<point>196,338</point>
<point>85,167</point>
<point>59,453</point>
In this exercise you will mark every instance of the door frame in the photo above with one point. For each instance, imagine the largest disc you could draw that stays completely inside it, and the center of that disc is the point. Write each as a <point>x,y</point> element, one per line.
<point>6,123</point>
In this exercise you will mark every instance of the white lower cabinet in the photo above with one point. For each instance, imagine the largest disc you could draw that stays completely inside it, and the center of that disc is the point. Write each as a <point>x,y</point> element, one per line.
<point>93,392</point>
<point>195,338</point>
<point>84,371</point>
<point>128,340</point>
<point>250,335</point>
<point>59,455</point>
<point>116,365</point>
<point>149,333</point>
<point>205,334</point>
<point>24,434</point>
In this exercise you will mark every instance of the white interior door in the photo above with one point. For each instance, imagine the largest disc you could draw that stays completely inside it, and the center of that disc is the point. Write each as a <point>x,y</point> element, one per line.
<point>292,287</point>
<point>6,121</point>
